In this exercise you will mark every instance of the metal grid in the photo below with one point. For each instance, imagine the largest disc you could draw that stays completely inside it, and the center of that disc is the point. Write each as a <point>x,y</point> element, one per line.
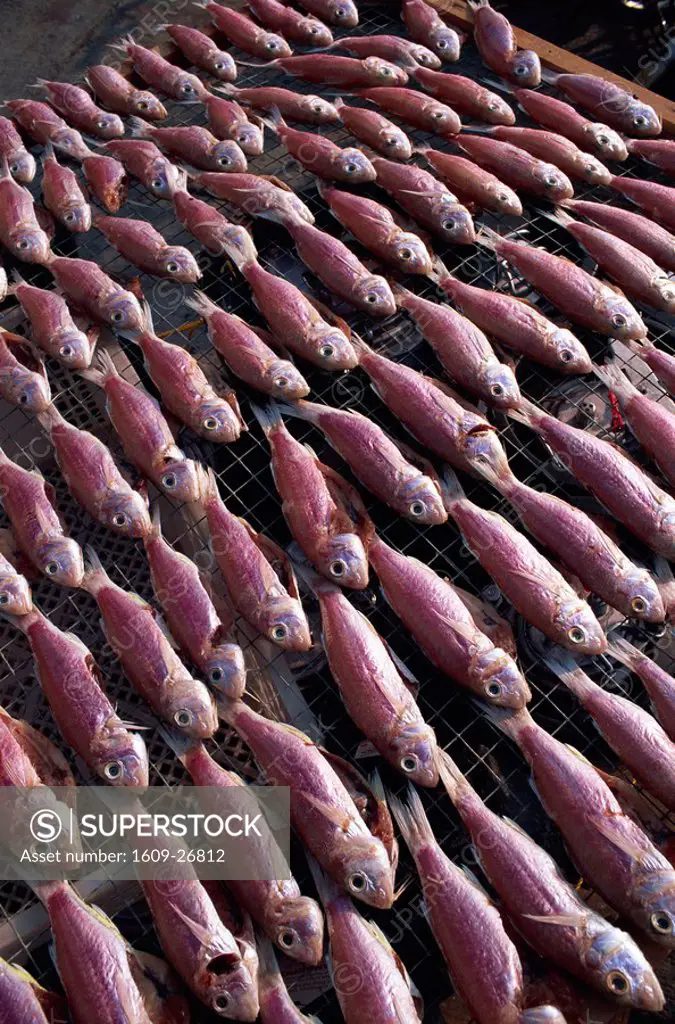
<point>493,765</point>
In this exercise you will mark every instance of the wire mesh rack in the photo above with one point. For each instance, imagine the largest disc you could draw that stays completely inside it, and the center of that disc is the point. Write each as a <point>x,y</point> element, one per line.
<point>492,764</point>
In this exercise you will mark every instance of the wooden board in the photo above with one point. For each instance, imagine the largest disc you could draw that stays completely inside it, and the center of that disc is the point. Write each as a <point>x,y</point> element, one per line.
<point>457,13</point>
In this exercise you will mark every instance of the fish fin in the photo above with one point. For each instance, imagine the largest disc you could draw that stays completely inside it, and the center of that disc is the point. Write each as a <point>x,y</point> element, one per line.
<point>451,777</point>
<point>203,936</point>
<point>94,568</point>
<point>461,628</point>
<point>488,238</point>
<point>561,920</point>
<point>476,882</point>
<point>207,483</point>
<point>327,889</point>
<point>140,129</point>
<point>201,304</point>
<point>408,677</point>
<point>616,380</point>
<point>269,417</point>
<point>451,488</point>
<point>526,412</point>
<point>332,814</point>
<point>348,499</point>
<point>510,721</point>
<point>624,843</point>
<point>412,820</point>
<point>625,652</point>
<point>567,670</point>
<point>50,418</point>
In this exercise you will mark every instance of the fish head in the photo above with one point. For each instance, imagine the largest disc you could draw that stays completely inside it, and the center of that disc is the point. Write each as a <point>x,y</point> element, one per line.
<point>395,142</point>
<point>501,382</point>
<point>180,264</point>
<point>318,110</point>
<point>498,111</point>
<point>26,388</point>
<point>122,757</point>
<point>505,200</point>
<point>383,72</point>
<point>374,294</point>
<point>365,871</point>
<point>343,13</point>
<point>225,670</point>
<point>180,479</point>
<point>29,244</point>
<point>165,178</point>
<point>625,323</point>
<point>226,985</point>
<point>623,972</point>
<point>571,354</point>
<point>221,65</point>
<point>318,34</point>
<point>15,595</point>
<point>643,596</point>
<point>288,627</point>
<point>109,126</point>
<point>526,68</point>
<point>127,513</point>
<point>218,420</point>
<point>145,104</point>
<point>644,121</point>
<point>284,380</point>
<point>412,254</point>
<point>22,166</point>
<point>582,631</point>
<point>190,87</point>
<point>335,349</point>
<point>74,349</point>
<point>61,561</point>
<point>427,58</point>
<point>250,138</point>
<point>666,288</point>
<point>607,142</point>
<point>415,753</point>
<point>595,173</point>
<point>227,156</point>
<point>421,501</point>
<point>299,930</point>
<point>344,561</point>
<point>122,311</point>
<point>454,221</point>
<point>77,217</point>
<point>276,45</point>
<point>192,710</point>
<point>555,184</point>
<point>482,444</point>
<point>442,117</point>
<point>445,42</point>
<point>502,682</point>
<point>656,897</point>
<point>71,142</point>
<point>354,166</point>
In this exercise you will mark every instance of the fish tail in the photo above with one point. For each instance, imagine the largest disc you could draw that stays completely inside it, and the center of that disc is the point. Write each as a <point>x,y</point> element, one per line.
<point>475,4</point>
<point>451,488</point>
<point>624,652</point>
<point>550,77</point>
<point>50,418</point>
<point>155,531</point>
<point>568,672</point>
<point>94,571</point>
<point>207,483</point>
<point>401,293</point>
<point>412,820</point>
<point>317,584</point>
<point>269,968</point>
<point>663,570</point>
<point>488,238</point>
<point>480,129</point>
<point>269,417</point>
<point>105,370</point>
<point>339,103</point>
<point>180,744</point>
<point>201,304</point>
<point>510,721</point>
<point>327,889</point>
<point>526,412</point>
<point>300,409</point>
<point>362,349</point>
<point>558,216</point>
<point>614,379</point>
<point>440,272</point>
<point>274,120</point>
<point>47,154</point>
<point>497,84</point>
<point>139,128</point>
<point>452,778</point>
<point>178,182</point>
<point>226,88</point>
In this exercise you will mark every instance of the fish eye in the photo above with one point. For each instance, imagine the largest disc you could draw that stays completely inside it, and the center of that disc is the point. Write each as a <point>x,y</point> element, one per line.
<point>438,115</point>
<point>551,181</point>
<point>183,718</point>
<point>493,689</point>
<point>392,142</point>
<point>409,763</point>
<point>210,423</point>
<point>661,923</point>
<point>417,509</point>
<point>372,298</point>
<point>385,71</point>
<point>503,197</point>
<point>493,105</point>
<point>617,982</point>
<point>638,605</point>
<point>172,267</point>
<point>521,69</point>
<point>442,44</point>
<point>157,183</point>
<point>69,217</point>
<point>143,105</point>
<point>117,316</point>
<point>406,254</point>
<point>286,938</point>
<point>22,244</point>
<point>66,351</point>
<point>313,30</point>
<point>14,168</point>
<point>327,351</point>
<point>590,169</point>
<point>639,120</point>
<point>317,108</point>
<point>351,168</point>
<point>576,635</point>
<point>224,161</point>
<point>603,140</point>
<point>219,65</point>
<point>112,770</point>
<point>187,88</point>
<point>215,675</point>
<point>23,399</point>
<point>279,632</point>
<point>449,225</point>
<point>221,1002</point>
<point>120,519</point>
<point>4,599</point>
<point>357,882</point>
<point>337,568</point>
<point>169,480</point>
<point>496,390</point>
<point>281,382</point>
<point>619,320</point>
<point>52,568</point>
<point>565,356</point>
<point>272,45</point>
<point>103,123</point>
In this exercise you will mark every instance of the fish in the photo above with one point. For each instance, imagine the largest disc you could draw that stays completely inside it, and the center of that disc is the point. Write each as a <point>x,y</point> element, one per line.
<point>659,152</point>
<point>117,93</point>
<point>655,199</point>
<point>391,472</point>
<point>517,167</point>
<point>629,267</point>
<point>26,1002</point>
<point>21,163</point>
<point>624,112</point>
<point>426,199</point>
<point>496,42</point>
<point>257,195</point>
<point>468,929</point>
<point>214,232</point>
<point>556,149</point>
<point>79,109</point>
<point>292,921</point>
<point>141,244</point>
<point>430,410</point>
<point>260,582</point>
<point>194,144</point>
<point>340,270</point>
<point>191,615</point>
<point>324,513</point>
<point>322,809</point>
<point>29,504</point>
<point>426,26</point>
<point>73,685</point>
<point>46,759</point>
<point>370,979</point>
<point>93,478</point>
<point>549,914</point>
<point>296,106</point>
<point>463,350</point>
<point>159,73</point>
<point>202,51</point>
<point>581,544</point>
<point>376,228</point>
<point>63,195</point>
<point>44,125</point>
<point>558,116</point>
<point>23,375</point>
<point>473,183</point>
<point>93,959</point>
<point>344,72</point>
<point>415,108</point>
<point>375,130</point>
<point>575,292</point>
<point>466,96</point>
<point>52,325</point>
<point>375,695</point>
<point>227,120</point>
<point>243,33</point>
<point>16,764</point>
<point>657,682</point>
<point>185,389</point>
<point>321,156</point>
<point>395,49</point>
<point>146,436</point>
<point>146,162</point>
<point>276,1005</point>
<point>15,594</point>
<point>517,324</point>
<point>247,353</point>
<point>106,177</point>
<point>651,422</point>
<point>92,290</point>
<point>338,12</point>
<point>530,582</point>
<point>607,472</point>
<point>633,228</point>
<point>290,24</point>
<point>614,854</point>
<point>20,231</point>
<point>148,659</point>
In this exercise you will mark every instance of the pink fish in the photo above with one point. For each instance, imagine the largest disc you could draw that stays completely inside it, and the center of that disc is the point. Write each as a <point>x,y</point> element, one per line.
<point>117,93</point>
<point>426,26</point>
<point>661,363</point>
<point>517,167</point>
<point>560,117</point>
<point>290,23</point>
<point>294,105</point>
<point>496,42</point>
<point>415,108</point>
<point>462,348</point>
<point>657,682</point>
<point>107,179</point>
<point>375,227</point>
<point>21,163</point>
<point>227,120</point>
<point>338,12</point>
<point>93,478</point>
<point>466,96</point>
<point>608,100</point>
<point>144,161</point>
<point>23,376</point>
<point>344,72</point>
<point>243,33</point>
<point>160,73</point>
<point>25,1001</point>
<point>257,195</point>
<point>78,107</point>
<point>144,246</point>
<point>144,432</point>
<point>660,152</point>
<point>473,184</point>
<point>323,157</point>
<point>185,390</point>
<point>52,325</point>
<point>657,201</point>
<point>15,594</point>
<point>395,49</point>
<point>276,1005</point>
<point>372,128</point>
<point>426,199</point>
<point>44,125</point>
<point>246,352</point>
<point>557,150</point>
<point>214,232</point>
<point>202,51</point>
<point>29,504</point>
<point>20,230</point>
<point>194,144</point>
<point>90,289</point>
<point>148,659</point>
<point>63,195</point>
<point>632,227</point>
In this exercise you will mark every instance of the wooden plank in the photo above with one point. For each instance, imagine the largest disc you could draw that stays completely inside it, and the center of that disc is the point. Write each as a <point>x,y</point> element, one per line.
<point>457,12</point>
